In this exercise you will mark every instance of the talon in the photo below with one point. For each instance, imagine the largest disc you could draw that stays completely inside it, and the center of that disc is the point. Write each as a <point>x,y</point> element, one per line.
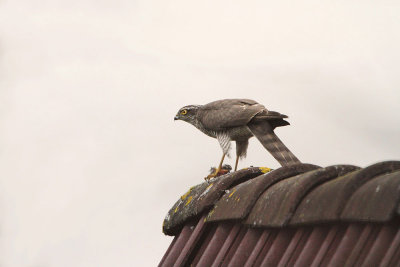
<point>215,172</point>
<point>211,175</point>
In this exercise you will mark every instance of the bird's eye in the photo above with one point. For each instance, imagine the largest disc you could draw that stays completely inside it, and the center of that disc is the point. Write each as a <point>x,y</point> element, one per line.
<point>184,112</point>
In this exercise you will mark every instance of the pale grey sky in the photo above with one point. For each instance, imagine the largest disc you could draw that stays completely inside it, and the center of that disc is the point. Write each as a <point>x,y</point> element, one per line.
<point>91,159</point>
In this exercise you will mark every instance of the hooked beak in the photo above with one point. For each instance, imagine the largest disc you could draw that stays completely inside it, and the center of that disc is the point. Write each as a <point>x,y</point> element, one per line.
<point>176,118</point>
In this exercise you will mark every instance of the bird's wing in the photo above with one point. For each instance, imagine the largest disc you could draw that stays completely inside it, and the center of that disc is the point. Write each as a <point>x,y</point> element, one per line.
<point>269,115</point>
<point>275,119</point>
<point>227,113</point>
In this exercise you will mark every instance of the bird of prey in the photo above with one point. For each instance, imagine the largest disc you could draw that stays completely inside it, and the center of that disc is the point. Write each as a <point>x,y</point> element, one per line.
<point>238,120</point>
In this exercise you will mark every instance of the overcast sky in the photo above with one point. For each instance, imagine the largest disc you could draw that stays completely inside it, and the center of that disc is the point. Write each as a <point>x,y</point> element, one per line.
<point>90,157</point>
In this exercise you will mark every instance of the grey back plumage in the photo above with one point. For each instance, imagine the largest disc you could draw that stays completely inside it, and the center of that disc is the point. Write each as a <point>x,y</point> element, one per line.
<point>228,113</point>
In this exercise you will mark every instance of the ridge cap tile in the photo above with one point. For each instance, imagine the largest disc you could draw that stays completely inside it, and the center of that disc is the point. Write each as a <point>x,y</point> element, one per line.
<point>202,196</point>
<point>326,202</point>
<point>236,203</point>
<point>375,201</point>
<point>277,198</point>
<point>275,207</point>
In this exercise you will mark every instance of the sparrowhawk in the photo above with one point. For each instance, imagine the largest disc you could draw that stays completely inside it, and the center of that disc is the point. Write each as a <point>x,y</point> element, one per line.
<point>238,120</point>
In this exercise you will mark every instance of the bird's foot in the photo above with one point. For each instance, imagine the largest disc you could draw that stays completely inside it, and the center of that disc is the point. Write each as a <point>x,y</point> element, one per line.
<point>210,176</point>
<point>215,172</point>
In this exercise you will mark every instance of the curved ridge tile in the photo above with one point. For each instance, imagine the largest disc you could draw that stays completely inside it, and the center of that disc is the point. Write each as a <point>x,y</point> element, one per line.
<point>277,204</point>
<point>375,201</point>
<point>237,202</point>
<point>326,202</point>
<point>203,196</point>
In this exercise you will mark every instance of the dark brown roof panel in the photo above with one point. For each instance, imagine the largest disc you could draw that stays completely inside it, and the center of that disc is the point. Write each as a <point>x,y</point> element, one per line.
<point>226,247</point>
<point>327,248</point>
<point>375,201</point>
<point>274,251</point>
<point>392,254</point>
<point>275,207</point>
<point>201,197</point>
<point>312,245</point>
<point>234,244</point>
<point>263,245</point>
<point>177,245</point>
<point>380,244</point>
<point>237,202</point>
<point>212,243</point>
<point>246,246</point>
<point>295,246</point>
<point>326,202</point>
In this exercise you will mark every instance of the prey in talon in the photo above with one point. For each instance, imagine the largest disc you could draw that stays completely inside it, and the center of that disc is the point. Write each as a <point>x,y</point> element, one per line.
<point>226,168</point>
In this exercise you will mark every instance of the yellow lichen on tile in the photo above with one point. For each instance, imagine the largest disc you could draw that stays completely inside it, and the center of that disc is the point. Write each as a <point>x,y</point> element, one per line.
<point>176,209</point>
<point>264,169</point>
<point>189,200</point>
<point>209,215</point>
<point>233,192</point>
<point>211,212</point>
<point>186,194</point>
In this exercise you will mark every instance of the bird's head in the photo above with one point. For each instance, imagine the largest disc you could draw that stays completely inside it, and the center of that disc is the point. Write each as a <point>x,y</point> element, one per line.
<point>187,113</point>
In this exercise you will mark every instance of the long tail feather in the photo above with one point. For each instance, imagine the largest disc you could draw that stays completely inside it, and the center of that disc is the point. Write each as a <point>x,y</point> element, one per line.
<point>263,131</point>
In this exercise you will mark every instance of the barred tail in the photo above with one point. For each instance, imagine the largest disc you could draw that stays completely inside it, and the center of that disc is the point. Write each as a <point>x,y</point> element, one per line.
<point>263,131</point>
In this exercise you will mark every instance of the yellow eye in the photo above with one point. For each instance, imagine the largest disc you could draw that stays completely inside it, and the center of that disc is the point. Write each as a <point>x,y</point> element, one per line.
<point>184,112</point>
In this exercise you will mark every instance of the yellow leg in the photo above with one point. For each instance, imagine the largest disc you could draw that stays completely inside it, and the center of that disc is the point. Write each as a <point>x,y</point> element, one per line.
<point>220,164</point>
<point>217,170</point>
<point>236,164</point>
